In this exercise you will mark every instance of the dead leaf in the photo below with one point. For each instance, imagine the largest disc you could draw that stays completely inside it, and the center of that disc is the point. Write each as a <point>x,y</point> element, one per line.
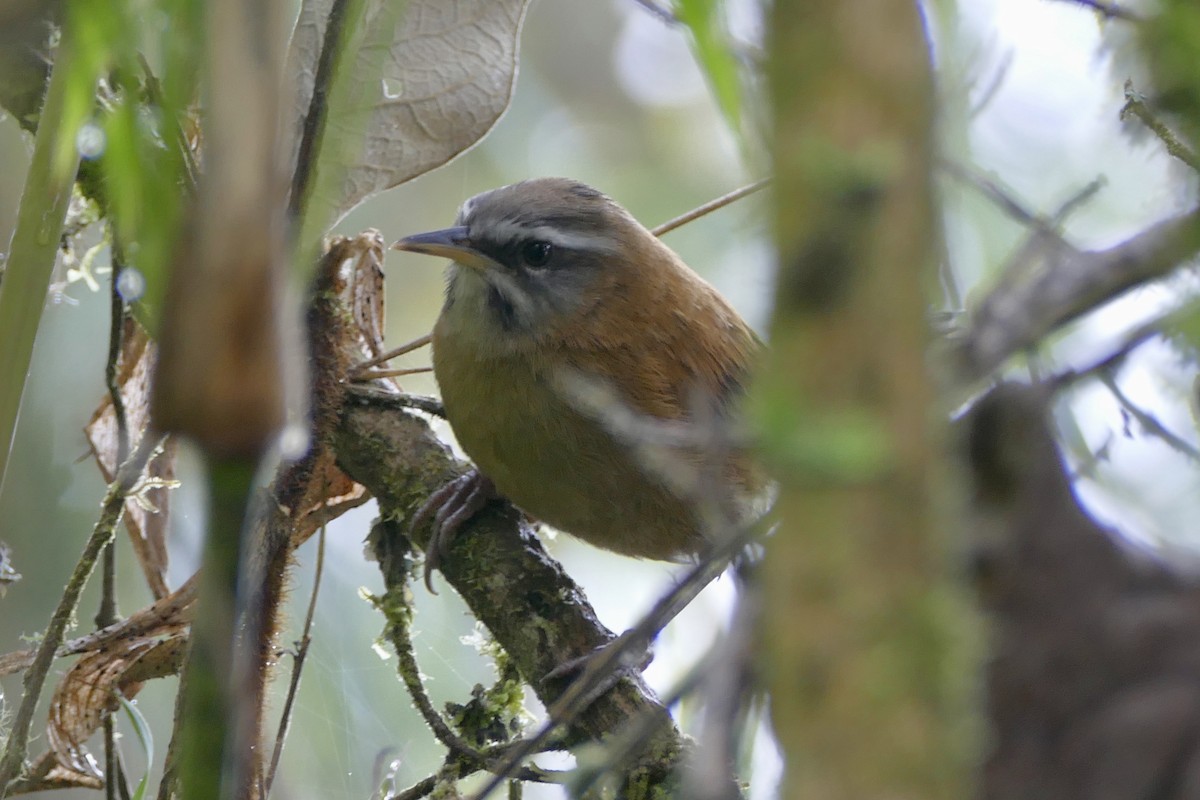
<point>89,690</point>
<point>427,84</point>
<point>146,516</point>
<point>366,290</point>
<point>164,617</point>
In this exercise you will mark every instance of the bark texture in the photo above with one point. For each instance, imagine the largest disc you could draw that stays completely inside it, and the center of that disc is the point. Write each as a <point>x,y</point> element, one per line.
<point>866,663</point>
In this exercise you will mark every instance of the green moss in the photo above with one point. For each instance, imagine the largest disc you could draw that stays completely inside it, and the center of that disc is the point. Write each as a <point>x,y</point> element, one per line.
<point>846,446</point>
<point>496,714</point>
<point>1171,41</point>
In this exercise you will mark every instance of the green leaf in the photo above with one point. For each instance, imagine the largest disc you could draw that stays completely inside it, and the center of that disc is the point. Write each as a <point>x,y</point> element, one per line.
<point>48,188</point>
<point>416,85</point>
<point>145,738</point>
<point>820,446</point>
<point>710,41</point>
<point>144,164</point>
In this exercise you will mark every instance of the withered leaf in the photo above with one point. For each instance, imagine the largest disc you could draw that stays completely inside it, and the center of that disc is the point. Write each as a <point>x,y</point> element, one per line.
<point>89,689</point>
<point>147,528</point>
<point>164,617</point>
<point>426,85</point>
<point>365,290</point>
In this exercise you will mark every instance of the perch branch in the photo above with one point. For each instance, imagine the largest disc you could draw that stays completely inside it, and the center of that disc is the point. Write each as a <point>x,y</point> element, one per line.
<point>532,608</point>
<point>1017,314</point>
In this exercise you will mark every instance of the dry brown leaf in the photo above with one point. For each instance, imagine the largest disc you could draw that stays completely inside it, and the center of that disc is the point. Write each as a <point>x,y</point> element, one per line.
<point>448,72</point>
<point>86,693</point>
<point>164,617</point>
<point>366,290</point>
<point>146,520</point>
<point>164,659</point>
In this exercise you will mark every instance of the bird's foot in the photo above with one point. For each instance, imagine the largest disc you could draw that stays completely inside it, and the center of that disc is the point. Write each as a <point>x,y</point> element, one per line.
<point>451,506</point>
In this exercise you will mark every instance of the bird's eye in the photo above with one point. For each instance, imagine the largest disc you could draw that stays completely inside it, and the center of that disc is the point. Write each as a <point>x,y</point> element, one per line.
<point>536,254</point>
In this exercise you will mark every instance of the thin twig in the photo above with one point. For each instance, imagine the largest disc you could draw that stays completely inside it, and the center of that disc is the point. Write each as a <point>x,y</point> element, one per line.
<point>403,349</point>
<point>318,107</point>
<point>168,785</point>
<point>729,684</point>
<point>606,665</point>
<point>410,673</point>
<point>1076,201</point>
<point>110,748</point>
<point>285,716</point>
<point>1135,104</point>
<point>999,75</point>
<point>1004,198</point>
<point>664,14</point>
<point>636,733</point>
<point>1105,370</point>
<point>126,481</point>
<point>418,790</point>
<point>1047,239</point>
<point>1133,340</point>
<point>1108,9</point>
<point>1148,421</point>
<point>373,374</point>
<point>1018,314</point>
<point>116,332</point>
<point>709,207</point>
<point>108,614</point>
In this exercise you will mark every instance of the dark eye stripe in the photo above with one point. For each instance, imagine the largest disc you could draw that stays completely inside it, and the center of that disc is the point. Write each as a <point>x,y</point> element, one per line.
<point>506,313</point>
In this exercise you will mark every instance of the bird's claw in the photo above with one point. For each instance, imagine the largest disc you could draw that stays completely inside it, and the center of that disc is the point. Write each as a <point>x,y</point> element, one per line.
<point>451,506</point>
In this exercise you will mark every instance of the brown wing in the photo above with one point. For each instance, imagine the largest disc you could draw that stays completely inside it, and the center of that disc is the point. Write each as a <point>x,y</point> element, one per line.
<point>660,345</point>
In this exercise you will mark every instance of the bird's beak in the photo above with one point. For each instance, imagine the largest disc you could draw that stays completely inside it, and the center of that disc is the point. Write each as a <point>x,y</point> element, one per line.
<point>452,243</point>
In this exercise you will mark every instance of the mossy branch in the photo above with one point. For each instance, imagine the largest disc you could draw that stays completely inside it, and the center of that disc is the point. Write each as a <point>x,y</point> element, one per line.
<point>531,606</point>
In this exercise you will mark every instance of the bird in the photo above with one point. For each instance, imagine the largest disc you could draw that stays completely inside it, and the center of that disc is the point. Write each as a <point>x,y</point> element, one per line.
<point>585,369</point>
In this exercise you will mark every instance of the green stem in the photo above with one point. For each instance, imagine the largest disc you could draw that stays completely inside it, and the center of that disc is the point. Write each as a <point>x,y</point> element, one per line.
<point>215,717</point>
<point>39,225</point>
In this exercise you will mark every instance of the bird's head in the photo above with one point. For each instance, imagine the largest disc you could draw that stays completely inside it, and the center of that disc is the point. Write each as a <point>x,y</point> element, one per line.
<point>534,257</point>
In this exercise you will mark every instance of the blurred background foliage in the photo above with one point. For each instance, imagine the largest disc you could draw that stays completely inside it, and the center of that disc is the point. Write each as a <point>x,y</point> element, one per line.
<point>609,93</point>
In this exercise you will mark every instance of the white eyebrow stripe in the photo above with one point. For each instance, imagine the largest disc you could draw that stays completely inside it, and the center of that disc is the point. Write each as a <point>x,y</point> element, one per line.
<point>464,211</point>
<point>570,240</point>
